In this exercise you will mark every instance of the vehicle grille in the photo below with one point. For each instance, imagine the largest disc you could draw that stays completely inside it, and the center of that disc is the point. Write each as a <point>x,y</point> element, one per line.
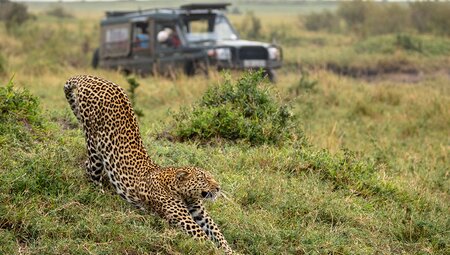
<point>253,53</point>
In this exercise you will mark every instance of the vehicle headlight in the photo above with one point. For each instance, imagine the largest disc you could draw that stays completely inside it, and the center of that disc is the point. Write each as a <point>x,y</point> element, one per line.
<point>223,53</point>
<point>274,53</point>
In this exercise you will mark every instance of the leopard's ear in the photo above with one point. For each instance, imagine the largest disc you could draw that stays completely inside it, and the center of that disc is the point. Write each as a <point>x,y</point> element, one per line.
<point>182,175</point>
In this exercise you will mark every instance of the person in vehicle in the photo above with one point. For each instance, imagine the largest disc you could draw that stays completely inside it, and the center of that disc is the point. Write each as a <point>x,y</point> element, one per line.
<point>169,37</point>
<point>141,39</point>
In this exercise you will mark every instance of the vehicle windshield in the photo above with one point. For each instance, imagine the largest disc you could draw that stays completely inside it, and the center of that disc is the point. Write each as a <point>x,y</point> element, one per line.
<point>212,28</point>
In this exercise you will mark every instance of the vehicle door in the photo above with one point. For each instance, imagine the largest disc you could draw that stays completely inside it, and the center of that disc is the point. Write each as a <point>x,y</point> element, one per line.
<point>142,45</point>
<point>168,47</point>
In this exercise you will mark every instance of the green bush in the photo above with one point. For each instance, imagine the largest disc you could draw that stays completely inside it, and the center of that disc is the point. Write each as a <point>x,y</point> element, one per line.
<point>20,118</point>
<point>407,42</point>
<point>132,93</point>
<point>18,105</point>
<point>242,110</point>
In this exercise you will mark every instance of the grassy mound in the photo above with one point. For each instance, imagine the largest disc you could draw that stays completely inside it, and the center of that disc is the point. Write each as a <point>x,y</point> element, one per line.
<point>282,199</point>
<point>46,204</point>
<point>243,110</point>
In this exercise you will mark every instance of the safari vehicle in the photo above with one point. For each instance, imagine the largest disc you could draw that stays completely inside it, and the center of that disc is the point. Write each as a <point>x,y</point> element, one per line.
<point>189,38</point>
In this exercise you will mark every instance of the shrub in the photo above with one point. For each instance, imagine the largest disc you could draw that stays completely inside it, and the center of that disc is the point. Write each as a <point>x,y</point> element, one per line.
<point>13,14</point>
<point>354,13</point>
<point>242,110</point>
<point>18,105</point>
<point>321,21</point>
<point>367,18</point>
<point>407,42</point>
<point>385,19</point>
<point>132,93</point>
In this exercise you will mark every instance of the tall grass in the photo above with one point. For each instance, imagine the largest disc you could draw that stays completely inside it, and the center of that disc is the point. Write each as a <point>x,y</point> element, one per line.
<point>282,200</point>
<point>49,46</point>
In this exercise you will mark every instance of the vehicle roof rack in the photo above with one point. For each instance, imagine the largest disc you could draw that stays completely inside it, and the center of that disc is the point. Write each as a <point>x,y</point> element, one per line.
<point>118,13</point>
<point>203,6</point>
<point>111,14</point>
<point>187,7</point>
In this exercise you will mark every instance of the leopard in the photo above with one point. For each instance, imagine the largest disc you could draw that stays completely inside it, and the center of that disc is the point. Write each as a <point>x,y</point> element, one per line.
<point>117,156</point>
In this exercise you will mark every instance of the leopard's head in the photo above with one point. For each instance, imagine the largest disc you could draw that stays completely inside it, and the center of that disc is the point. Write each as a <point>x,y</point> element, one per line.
<point>196,183</point>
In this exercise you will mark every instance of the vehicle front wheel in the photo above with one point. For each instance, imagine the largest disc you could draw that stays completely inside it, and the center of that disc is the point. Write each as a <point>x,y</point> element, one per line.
<point>196,67</point>
<point>271,74</point>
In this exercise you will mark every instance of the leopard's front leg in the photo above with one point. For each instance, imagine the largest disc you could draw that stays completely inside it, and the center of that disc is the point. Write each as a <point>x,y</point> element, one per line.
<point>201,217</point>
<point>177,214</point>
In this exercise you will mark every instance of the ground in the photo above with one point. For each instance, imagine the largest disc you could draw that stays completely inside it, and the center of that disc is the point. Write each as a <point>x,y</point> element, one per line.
<point>374,178</point>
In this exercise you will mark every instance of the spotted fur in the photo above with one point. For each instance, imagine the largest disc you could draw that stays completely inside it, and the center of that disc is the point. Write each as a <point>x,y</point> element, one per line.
<point>116,152</point>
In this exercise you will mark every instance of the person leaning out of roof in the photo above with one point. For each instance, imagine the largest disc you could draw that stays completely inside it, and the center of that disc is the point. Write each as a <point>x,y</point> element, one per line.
<point>169,37</point>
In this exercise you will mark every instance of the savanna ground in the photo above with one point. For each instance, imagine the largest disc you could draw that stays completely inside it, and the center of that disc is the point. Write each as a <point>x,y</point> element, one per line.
<point>366,173</point>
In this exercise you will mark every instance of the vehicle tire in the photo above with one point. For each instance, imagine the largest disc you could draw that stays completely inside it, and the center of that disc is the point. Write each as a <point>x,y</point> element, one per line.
<point>192,68</point>
<point>95,58</point>
<point>272,75</point>
<point>189,68</point>
<point>125,72</point>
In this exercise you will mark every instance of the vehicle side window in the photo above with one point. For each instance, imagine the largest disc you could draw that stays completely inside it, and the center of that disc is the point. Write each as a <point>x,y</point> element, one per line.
<point>141,38</point>
<point>115,40</point>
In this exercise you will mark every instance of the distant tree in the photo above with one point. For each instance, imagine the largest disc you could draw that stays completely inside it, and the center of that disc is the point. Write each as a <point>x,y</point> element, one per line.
<point>321,21</point>
<point>13,14</point>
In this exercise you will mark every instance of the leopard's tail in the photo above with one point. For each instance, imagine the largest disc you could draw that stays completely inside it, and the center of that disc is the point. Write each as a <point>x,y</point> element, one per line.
<point>70,90</point>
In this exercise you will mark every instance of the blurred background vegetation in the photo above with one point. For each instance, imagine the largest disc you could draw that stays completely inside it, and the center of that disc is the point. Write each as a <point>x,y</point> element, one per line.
<point>358,159</point>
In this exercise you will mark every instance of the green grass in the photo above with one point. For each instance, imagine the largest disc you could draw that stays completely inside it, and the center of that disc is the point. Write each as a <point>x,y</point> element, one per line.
<point>371,178</point>
<point>282,200</point>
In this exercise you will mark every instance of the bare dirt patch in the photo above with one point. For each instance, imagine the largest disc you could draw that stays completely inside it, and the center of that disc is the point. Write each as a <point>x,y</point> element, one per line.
<point>392,73</point>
